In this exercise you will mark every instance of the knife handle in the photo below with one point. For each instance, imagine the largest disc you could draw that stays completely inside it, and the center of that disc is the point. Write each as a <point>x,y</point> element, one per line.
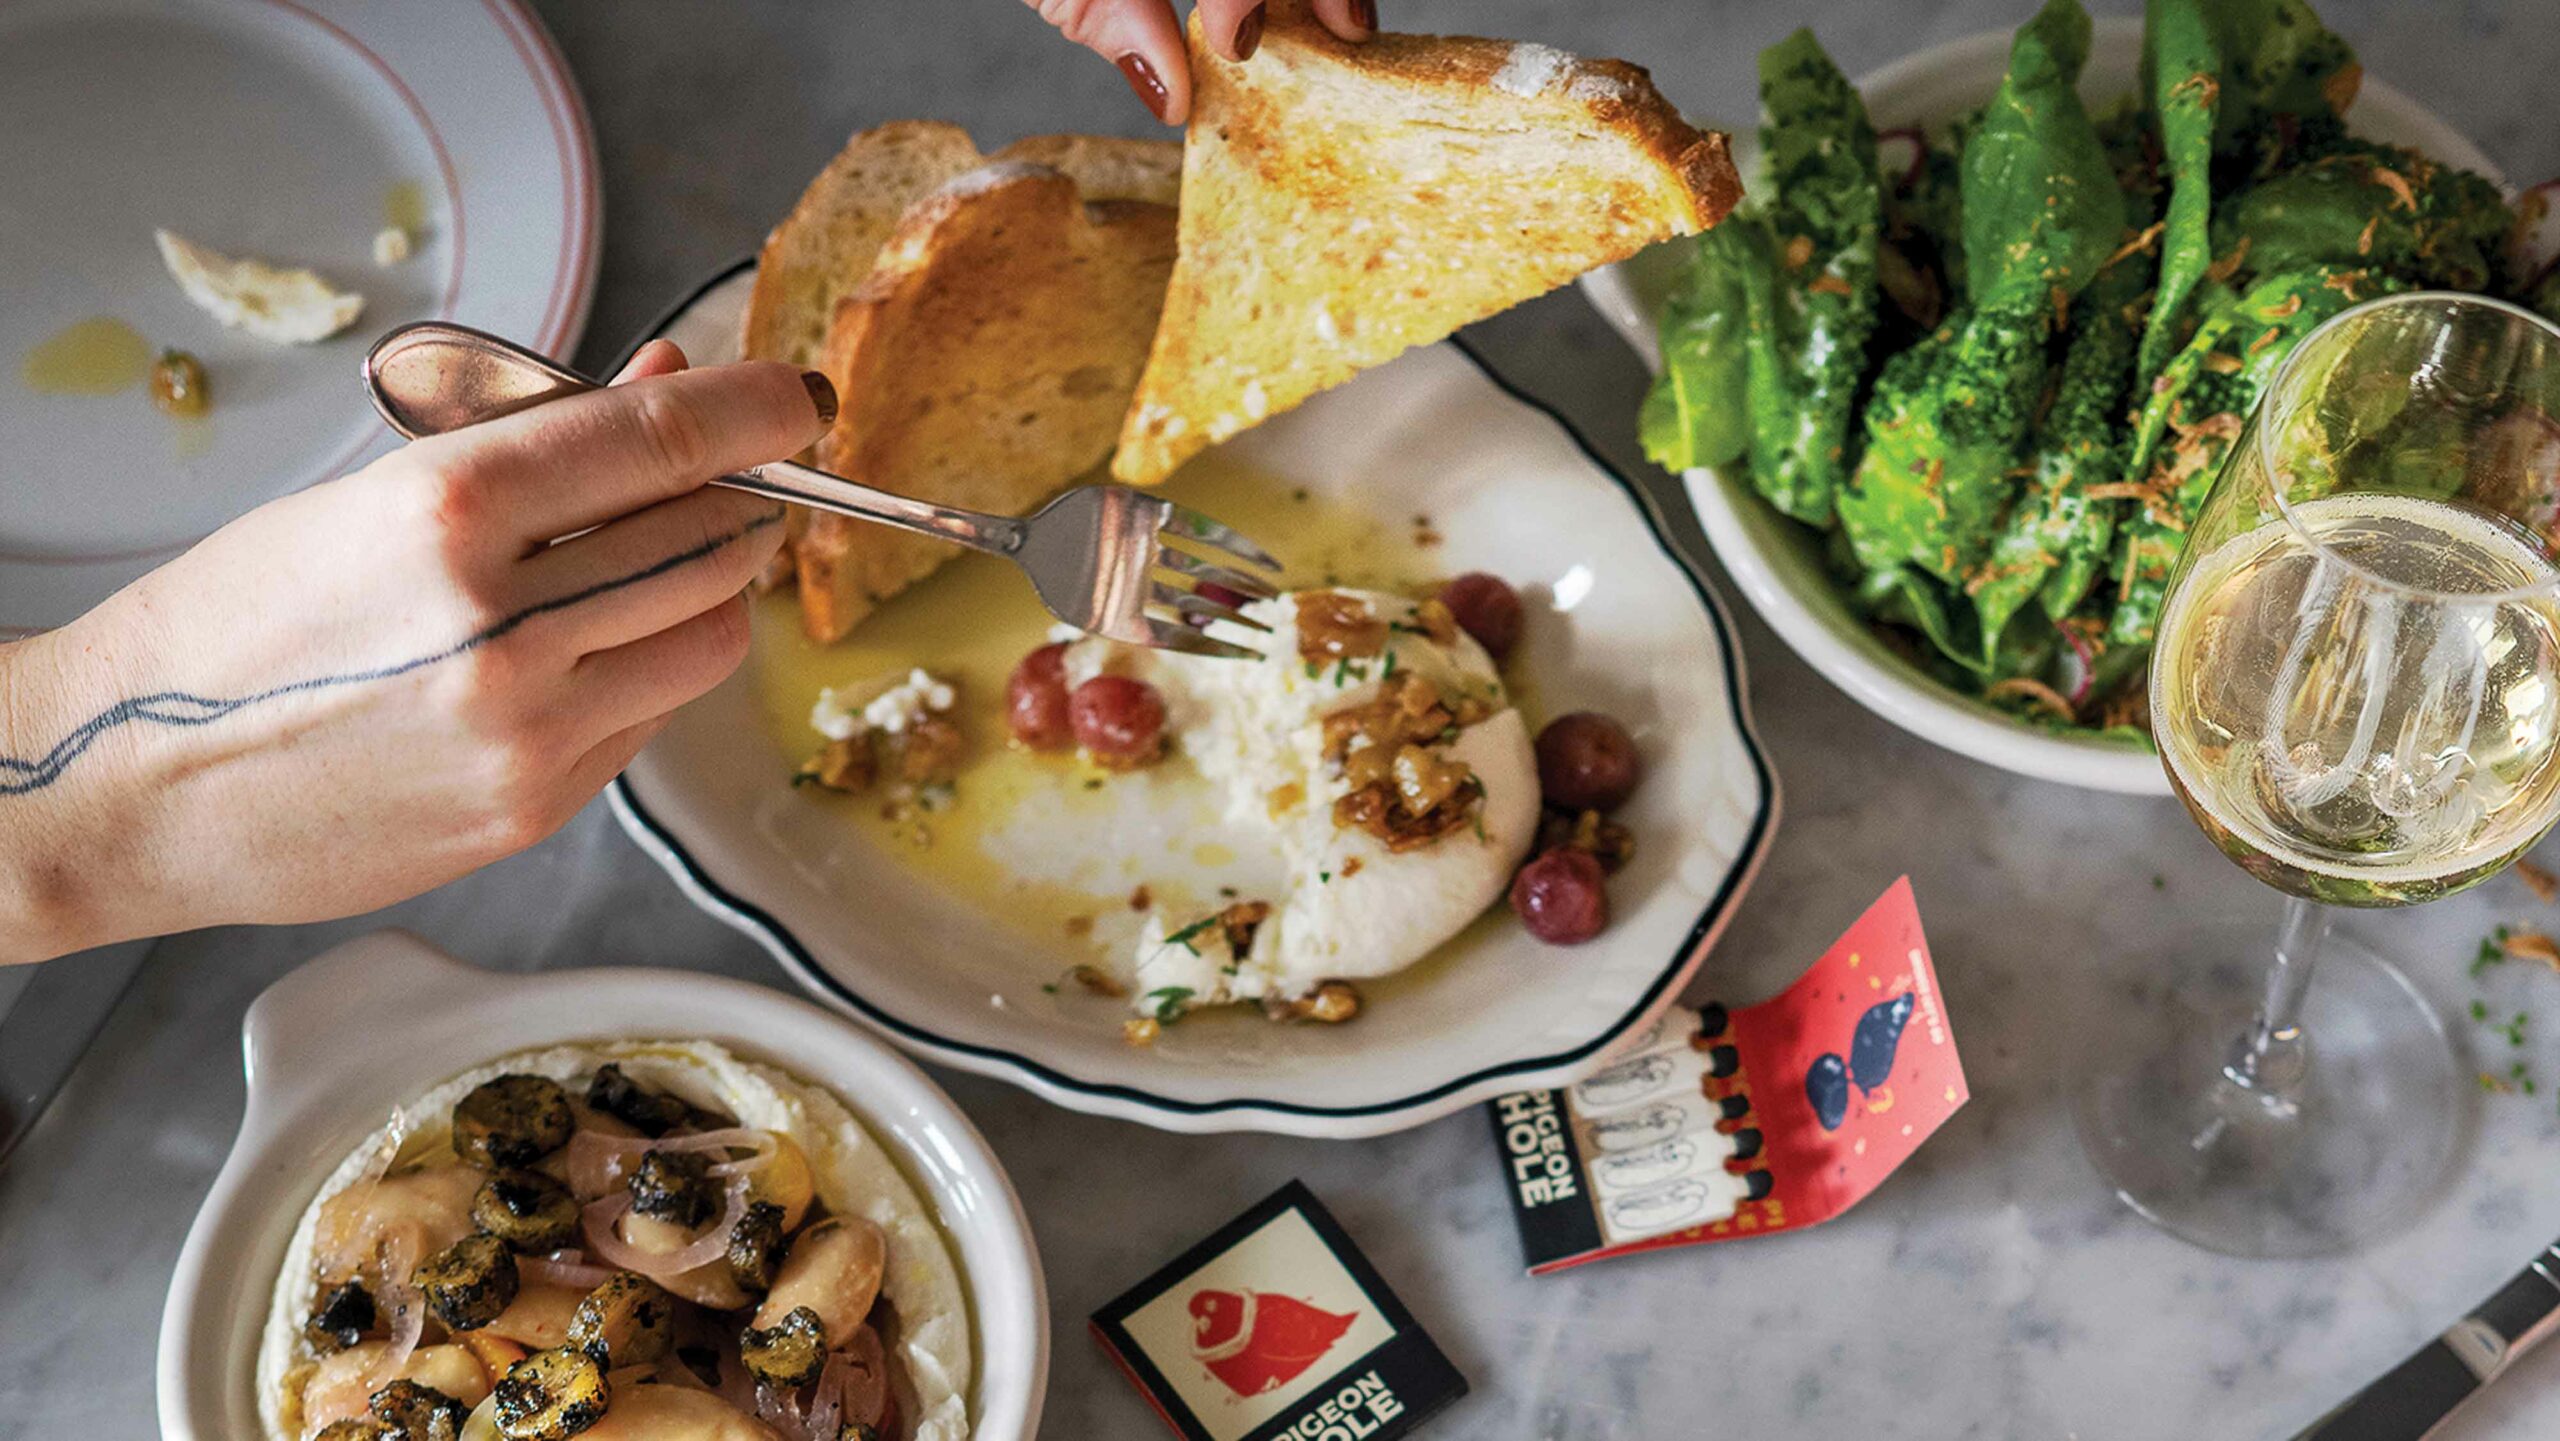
<point>2412,1400</point>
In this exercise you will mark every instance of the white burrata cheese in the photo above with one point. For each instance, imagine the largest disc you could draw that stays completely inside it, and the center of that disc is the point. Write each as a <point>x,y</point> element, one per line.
<point>1350,908</point>
<point>853,1174</point>
<point>287,306</point>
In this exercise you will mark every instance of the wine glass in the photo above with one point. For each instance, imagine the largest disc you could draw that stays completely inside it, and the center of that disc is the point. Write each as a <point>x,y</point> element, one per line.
<point>2355,688</point>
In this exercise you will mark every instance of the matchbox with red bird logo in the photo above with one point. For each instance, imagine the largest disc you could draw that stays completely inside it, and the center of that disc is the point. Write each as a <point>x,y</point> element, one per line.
<point>1277,1327</point>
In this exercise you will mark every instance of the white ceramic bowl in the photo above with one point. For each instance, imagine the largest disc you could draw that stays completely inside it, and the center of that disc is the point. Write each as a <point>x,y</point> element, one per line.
<point>334,1046</point>
<point>1617,622</point>
<point>1778,563</point>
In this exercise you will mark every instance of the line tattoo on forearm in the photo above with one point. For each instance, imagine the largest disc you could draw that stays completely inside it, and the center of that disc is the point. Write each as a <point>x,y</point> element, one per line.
<point>22,775</point>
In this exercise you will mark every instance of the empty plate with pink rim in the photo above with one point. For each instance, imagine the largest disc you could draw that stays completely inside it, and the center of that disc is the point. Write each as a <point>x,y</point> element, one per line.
<point>300,133</point>
<point>489,1201</point>
<point>1779,564</point>
<point>1199,933</point>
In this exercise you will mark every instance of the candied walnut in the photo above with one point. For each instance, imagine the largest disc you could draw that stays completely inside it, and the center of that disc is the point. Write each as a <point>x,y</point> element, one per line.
<point>1239,921</point>
<point>1334,626</point>
<point>1437,620</point>
<point>1407,708</point>
<point>1093,978</point>
<point>1608,842</point>
<point>1141,1030</point>
<point>846,765</point>
<point>1329,1004</point>
<point>1422,799</point>
<point>931,751</point>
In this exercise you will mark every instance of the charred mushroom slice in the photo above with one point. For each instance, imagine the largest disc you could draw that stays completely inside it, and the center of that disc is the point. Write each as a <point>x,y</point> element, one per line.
<point>411,1412</point>
<point>340,1319</point>
<point>511,1121</point>
<point>755,1246</point>
<point>528,1210</point>
<point>675,1187</point>
<point>649,1112</point>
<point>630,1320</point>
<point>787,1354</point>
<point>551,1396</point>
<point>354,1428</point>
<point>468,1283</point>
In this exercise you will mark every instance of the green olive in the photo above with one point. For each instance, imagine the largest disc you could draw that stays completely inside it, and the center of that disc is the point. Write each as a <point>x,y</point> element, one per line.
<point>630,1320</point>
<point>469,1282</point>
<point>787,1354</point>
<point>510,1121</point>
<point>551,1396</point>
<point>755,1246</point>
<point>528,1210</point>
<point>409,1411</point>
<point>675,1187</point>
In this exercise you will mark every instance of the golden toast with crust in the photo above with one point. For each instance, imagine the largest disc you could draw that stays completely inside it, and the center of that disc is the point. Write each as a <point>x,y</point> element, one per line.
<point>1342,203</point>
<point>985,362</point>
<point>826,250</point>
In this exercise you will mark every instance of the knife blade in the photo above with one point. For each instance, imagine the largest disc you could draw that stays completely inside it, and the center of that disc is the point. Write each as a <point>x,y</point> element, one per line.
<point>2415,1397</point>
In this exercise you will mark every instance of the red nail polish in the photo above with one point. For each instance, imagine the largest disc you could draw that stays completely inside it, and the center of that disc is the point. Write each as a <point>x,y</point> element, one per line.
<point>1364,13</point>
<point>1248,34</point>
<point>822,394</point>
<point>1142,79</point>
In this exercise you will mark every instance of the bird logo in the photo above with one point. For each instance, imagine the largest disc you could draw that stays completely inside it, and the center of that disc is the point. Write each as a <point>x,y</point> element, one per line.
<point>1871,1050</point>
<point>1256,1341</point>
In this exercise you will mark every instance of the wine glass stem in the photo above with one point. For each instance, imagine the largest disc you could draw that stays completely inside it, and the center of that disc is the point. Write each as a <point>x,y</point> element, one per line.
<point>2268,1062</point>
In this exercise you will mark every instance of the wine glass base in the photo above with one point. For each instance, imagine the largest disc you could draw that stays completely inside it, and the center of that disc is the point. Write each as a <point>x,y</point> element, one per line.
<point>2364,1146</point>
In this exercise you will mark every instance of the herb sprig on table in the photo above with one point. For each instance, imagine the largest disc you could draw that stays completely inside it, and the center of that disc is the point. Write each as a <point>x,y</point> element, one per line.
<point>1998,370</point>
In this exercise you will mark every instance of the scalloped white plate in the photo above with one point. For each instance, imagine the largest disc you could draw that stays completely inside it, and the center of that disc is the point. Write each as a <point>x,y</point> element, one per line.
<point>276,128</point>
<point>322,1077</point>
<point>1621,625</point>
<point>1778,563</point>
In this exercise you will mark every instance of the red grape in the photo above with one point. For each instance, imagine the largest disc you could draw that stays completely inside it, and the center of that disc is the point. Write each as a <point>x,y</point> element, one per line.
<point>1586,762</point>
<point>1035,700</point>
<point>1487,608</point>
<point>1562,897</point>
<point>1119,721</point>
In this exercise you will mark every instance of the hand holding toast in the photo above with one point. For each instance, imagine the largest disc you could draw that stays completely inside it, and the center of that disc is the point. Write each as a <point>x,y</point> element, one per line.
<point>1144,38</point>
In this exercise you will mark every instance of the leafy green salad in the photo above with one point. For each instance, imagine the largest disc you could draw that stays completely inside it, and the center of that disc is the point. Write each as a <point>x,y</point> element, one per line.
<point>1998,366</point>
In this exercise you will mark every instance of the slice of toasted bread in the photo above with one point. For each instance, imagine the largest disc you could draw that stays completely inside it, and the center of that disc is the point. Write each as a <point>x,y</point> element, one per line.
<point>985,363</point>
<point>1342,203</point>
<point>824,247</point>
<point>1106,167</point>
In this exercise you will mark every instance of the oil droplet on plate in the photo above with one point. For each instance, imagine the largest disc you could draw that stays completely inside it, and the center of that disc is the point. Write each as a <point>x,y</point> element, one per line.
<point>404,206</point>
<point>97,356</point>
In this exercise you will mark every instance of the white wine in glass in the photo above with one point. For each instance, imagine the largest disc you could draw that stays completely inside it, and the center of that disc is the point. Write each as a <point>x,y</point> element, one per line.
<point>2355,688</point>
<point>2362,706</point>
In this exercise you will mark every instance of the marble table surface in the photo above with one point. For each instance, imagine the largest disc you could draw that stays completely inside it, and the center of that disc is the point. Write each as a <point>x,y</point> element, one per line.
<point>1992,1289</point>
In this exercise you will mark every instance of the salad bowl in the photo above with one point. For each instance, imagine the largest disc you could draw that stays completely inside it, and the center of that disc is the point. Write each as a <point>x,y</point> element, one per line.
<point>1778,564</point>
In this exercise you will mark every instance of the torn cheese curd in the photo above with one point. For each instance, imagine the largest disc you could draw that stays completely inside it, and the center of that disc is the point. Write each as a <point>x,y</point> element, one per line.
<point>1374,748</point>
<point>903,735</point>
<point>287,306</point>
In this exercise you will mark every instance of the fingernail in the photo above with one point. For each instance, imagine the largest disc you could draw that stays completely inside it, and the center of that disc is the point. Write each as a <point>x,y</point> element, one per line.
<point>822,394</point>
<point>1364,13</point>
<point>1248,37</point>
<point>1142,79</point>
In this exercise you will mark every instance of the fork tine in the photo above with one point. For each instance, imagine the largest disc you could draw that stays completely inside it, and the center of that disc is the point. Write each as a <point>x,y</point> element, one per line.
<point>1188,603</point>
<point>1188,524</point>
<point>1172,635</point>
<point>1251,587</point>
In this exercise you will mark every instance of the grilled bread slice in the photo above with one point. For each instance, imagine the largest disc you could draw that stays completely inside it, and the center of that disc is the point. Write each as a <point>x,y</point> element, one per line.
<point>985,362</point>
<point>1342,203</point>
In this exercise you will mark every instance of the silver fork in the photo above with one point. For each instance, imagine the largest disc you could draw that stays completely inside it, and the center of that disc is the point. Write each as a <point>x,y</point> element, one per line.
<point>1103,558</point>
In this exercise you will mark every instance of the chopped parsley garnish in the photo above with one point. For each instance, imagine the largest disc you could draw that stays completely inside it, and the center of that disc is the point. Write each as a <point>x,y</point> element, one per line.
<point>1341,668</point>
<point>1312,669</point>
<point>1168,1003</point>
<point>1324,878</point>
<point>2479,1010</point>
<point>1051,988</point>
<point>1183,937</point>
<point>1391,666</point>
<point>2492,952</point>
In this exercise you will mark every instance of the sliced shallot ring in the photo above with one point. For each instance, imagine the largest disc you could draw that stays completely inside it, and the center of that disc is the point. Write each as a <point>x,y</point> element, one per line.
<point>598,1162</point>
<point>1910,169</point>
<point>408,1323</point>
<point>601,1220</point>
